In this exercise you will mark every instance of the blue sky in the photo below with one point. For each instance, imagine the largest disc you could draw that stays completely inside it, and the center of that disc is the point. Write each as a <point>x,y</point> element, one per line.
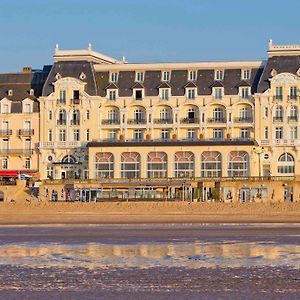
<point>141,30</point>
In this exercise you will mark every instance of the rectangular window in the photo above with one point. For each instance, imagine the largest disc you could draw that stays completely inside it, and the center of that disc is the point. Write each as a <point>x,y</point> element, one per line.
<point>293,92</point>
<point>112,135</point>
<point>87,114</point>
<point>192,76</point>
<point>49,135</point>
<point>4,163</point>
<point>245,74</point>
<point>27,108</point>
<point>218,134</point>
<point>138,94</point>
<point>191,134</point>
<point>76,135</point>
<point>138,135</point>
<point>5,108</point>
<point>139,76</point>
<point>218,75</point>
<point>113,77</point>
<point>266,133</point>
<point>112,95</point>
<point>245,91</point>
<point>166,76</point>
<point>294,133</point>
<point>279,133</point>
<point>62,97</point>
<point>50,172</point>
<point>76,95</point>
<point>165,94</point>
<point>244,133</point>
<point>27,163</point>
<point>87,135</point>
<point>218,93</point>
<point>278,95</point>
<point>266,112</point>
<point>62,135</point>
<point>191,94</point>
<point>165,134</point>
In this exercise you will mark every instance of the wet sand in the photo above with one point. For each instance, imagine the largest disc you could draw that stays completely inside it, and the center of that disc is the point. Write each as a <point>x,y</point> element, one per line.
<point>147,213</point>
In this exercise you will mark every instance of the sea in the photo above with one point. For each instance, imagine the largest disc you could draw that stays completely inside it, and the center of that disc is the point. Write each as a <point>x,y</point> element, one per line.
<point>186,261</point>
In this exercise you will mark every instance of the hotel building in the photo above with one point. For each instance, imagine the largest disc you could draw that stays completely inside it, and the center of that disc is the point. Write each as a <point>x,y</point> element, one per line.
<point>202,127</point>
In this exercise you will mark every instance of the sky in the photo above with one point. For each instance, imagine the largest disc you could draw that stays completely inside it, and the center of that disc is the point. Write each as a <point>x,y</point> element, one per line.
<point>144,30</point>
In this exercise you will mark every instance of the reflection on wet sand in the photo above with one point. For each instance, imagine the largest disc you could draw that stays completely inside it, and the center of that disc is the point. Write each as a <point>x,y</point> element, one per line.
<point>189,255</point>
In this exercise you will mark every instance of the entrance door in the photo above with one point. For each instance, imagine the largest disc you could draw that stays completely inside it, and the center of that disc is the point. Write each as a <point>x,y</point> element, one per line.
<point>288,194</point>
<point>244,195</point>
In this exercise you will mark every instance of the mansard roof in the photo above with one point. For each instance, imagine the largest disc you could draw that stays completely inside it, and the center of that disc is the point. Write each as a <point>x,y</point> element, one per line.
<point>244,83</point>
<point>217,83</point>
<point>72,69</point>
<point>282,64</point>
<point>164,85</point>
<point>190,84</point>
<point>111,85</point>
<point>137,85</point>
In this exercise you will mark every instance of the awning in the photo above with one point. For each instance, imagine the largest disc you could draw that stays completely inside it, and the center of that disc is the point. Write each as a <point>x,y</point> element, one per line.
<point>14,173</point>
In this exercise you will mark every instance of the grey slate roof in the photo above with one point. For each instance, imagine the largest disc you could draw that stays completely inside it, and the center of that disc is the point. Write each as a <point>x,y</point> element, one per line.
<point>281,64</point>
<point>72,69</point>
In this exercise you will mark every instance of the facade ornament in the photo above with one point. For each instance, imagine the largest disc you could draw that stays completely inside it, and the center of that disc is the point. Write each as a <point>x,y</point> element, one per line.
<point>57,76</point>
<point>298,72</point>
<point>273,72</point>
<point>82,76</point>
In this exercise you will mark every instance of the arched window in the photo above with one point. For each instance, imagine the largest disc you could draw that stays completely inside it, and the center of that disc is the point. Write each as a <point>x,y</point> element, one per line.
<point>69,160</point>
<point>62,117</point>
<point>130,165</point>
<point>218,113</point>
<point>184,164</point>
<point>286,164</point>
<point>165,114</point>
<point>157,164</point>
<point>279,112</point>
<point>245,113</point>
<point>104,165</point>
<point>113,115</point>
<point>211,164</point>
<point>138,114</point>
<point>238,164</point>
<point>75,117</point>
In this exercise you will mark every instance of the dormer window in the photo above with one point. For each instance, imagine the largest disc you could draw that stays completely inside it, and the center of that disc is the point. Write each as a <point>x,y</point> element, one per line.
<point>218,92</point>
<point>27,108</point>
<point>246,74</point>
<point>192,76</point>
<point>245,92</point>
<point>139,76</point>
<point>10,92</point>
<point>218,75</point>
<point>112,94</point>
<point>31,92</point>
<point>165,76</point>
<point>138,94</point>
<point>191,93</point>
<point>113,77</point>
<point>165,94</point>
<point>5,108</point>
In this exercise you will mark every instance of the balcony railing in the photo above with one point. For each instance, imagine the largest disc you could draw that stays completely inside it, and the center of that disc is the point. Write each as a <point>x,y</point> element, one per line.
<point>278,97</point>
<point>61,122</point>
<point>293,97</point>
<point>216,120</point>
<point>61,101</point>
<point>243,120</point>
<point>189,121</point>
<point>26,132</point>
<point>75,122</point>
<point>54,145</point>
<point>16,151</point>
<point>75,101</point>
<point>277,119</point>
<point>110,122</point>
<point>5,132</point>
<point>136,121</point>
<point>162,121</point>
<point>292,118</point>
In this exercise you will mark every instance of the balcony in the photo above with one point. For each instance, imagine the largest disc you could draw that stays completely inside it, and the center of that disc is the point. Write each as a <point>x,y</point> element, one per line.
<point>75,101</point>
<point>278,97</point>
<point>16,151</point>
<point>136,121</point>
<point>216,120</point>
<point>292,119</point>
<point>26,132</point>
<point>75,122</point>
<point>61,122</point>
<point>243,120</point>
<point>189,121</point>
<point>61,145</point>
<point>163,121</point>
<point>278,119</point>
<point>5,132</point>
<point>293,97</point>
<point>110,122</point>
<point>61,101</point>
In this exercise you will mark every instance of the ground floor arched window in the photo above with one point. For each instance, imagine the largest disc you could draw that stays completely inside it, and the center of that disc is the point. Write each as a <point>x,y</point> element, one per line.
<point>184,164</point>
<point>238,164</point>
<point>211,164</point>
<point>104,165</point>
<point>286,164</point>
<point>157,165</point>
<point>130,165</point>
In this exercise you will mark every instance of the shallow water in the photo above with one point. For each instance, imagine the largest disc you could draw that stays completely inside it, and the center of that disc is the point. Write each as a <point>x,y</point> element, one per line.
<point>166,262</point>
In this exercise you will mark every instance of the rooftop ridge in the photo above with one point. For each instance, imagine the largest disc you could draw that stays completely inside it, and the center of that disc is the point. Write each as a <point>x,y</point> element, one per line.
<point>283,50</point>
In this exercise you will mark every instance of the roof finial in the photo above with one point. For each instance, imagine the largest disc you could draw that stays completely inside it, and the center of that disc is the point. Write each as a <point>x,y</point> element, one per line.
<point>124,59</point>
<point>90,47</point>
<point>270,43</point>
<point>56,47</point>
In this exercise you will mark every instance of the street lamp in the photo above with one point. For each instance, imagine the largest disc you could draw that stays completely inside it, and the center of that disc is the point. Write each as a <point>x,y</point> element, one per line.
<point>259,151</point>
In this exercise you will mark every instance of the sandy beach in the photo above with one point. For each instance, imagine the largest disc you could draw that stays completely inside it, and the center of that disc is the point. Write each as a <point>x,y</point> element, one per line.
<point>147,212</point>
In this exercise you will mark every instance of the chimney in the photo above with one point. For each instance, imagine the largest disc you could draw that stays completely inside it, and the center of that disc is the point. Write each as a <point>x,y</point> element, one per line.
<point>27,69</point>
